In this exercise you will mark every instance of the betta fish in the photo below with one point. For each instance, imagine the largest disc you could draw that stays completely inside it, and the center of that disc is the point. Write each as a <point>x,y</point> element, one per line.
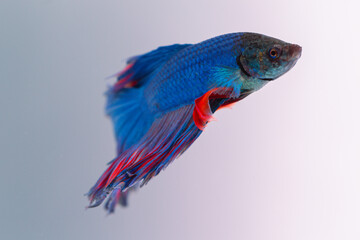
<point>163,100</point>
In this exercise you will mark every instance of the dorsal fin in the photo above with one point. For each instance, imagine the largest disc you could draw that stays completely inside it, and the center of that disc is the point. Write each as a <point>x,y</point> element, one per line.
<point>141,68</point>
<point>125,102</point>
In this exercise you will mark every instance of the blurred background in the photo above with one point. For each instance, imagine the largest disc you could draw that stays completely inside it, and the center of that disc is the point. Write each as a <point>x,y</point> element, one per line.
<point>282,164</point>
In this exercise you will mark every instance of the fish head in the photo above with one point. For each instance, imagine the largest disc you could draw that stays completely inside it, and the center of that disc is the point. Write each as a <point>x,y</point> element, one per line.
<point>266,58</point>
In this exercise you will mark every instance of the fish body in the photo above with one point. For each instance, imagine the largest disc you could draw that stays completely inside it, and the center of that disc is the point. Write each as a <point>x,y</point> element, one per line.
<point>194,71</point>
<point>163,100</point>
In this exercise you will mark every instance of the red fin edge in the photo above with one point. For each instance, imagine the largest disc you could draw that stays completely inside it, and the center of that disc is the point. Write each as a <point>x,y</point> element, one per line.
<point>202,113</point>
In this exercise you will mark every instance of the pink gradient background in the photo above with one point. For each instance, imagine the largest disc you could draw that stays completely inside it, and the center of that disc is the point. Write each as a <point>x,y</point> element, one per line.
<point>284,164</point>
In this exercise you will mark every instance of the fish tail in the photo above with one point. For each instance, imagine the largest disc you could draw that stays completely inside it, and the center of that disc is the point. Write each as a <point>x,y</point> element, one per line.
<point>142,141</point>
<point>118,197</point>
<point>150,143</point>
<point>167,138</point>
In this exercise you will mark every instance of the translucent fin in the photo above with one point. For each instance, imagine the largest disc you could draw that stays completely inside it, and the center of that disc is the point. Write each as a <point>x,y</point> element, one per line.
<point>130,116</point>
<point>141,68</point>
<point>167,138</point>
<point>125,101</point>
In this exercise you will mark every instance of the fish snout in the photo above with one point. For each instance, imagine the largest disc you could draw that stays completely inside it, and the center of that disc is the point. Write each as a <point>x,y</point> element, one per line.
<point>295,51</point>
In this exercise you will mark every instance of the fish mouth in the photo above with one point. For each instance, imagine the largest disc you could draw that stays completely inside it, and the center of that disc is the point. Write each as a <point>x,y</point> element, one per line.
<point>295,51</point>
<point>267,79</point>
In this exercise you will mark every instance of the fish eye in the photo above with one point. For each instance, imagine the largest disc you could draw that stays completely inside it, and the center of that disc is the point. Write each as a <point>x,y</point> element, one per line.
<point>274,52</point>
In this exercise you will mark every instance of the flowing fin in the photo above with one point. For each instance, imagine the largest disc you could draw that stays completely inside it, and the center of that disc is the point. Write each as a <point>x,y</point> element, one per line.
<point>130,116</point>
<point>118,197</point>
<point>213,100</point>
<point>127,108</point>
<point>168,137</point>
<point>125,101</point>
<point>204,106</point>
<point>141,68</point>
<point>202,112</point>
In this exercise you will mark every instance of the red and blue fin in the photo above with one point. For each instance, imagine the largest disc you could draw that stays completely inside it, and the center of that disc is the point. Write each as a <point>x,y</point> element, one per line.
<point>127,107</point>
<point>207,104</point>
<point>141,68</point>
<point>130,116</point>
<point>168,137</point>
<point>118,197</point>
<point>125,102</point>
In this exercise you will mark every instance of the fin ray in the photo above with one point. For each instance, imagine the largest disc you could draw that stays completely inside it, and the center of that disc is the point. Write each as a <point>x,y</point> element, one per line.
<point>168,137</point>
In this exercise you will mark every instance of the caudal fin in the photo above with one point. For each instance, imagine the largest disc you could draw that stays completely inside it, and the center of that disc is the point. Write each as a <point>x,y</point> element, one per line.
<point>168,137</point>
<point>118,197</point>
<point>132,122</point>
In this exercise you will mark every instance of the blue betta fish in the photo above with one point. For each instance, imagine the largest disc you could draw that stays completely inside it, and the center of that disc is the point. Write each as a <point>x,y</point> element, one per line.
<point>163,100</point>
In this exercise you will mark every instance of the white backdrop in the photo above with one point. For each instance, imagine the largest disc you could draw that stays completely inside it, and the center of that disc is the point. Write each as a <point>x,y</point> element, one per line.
<point>283,164</point>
